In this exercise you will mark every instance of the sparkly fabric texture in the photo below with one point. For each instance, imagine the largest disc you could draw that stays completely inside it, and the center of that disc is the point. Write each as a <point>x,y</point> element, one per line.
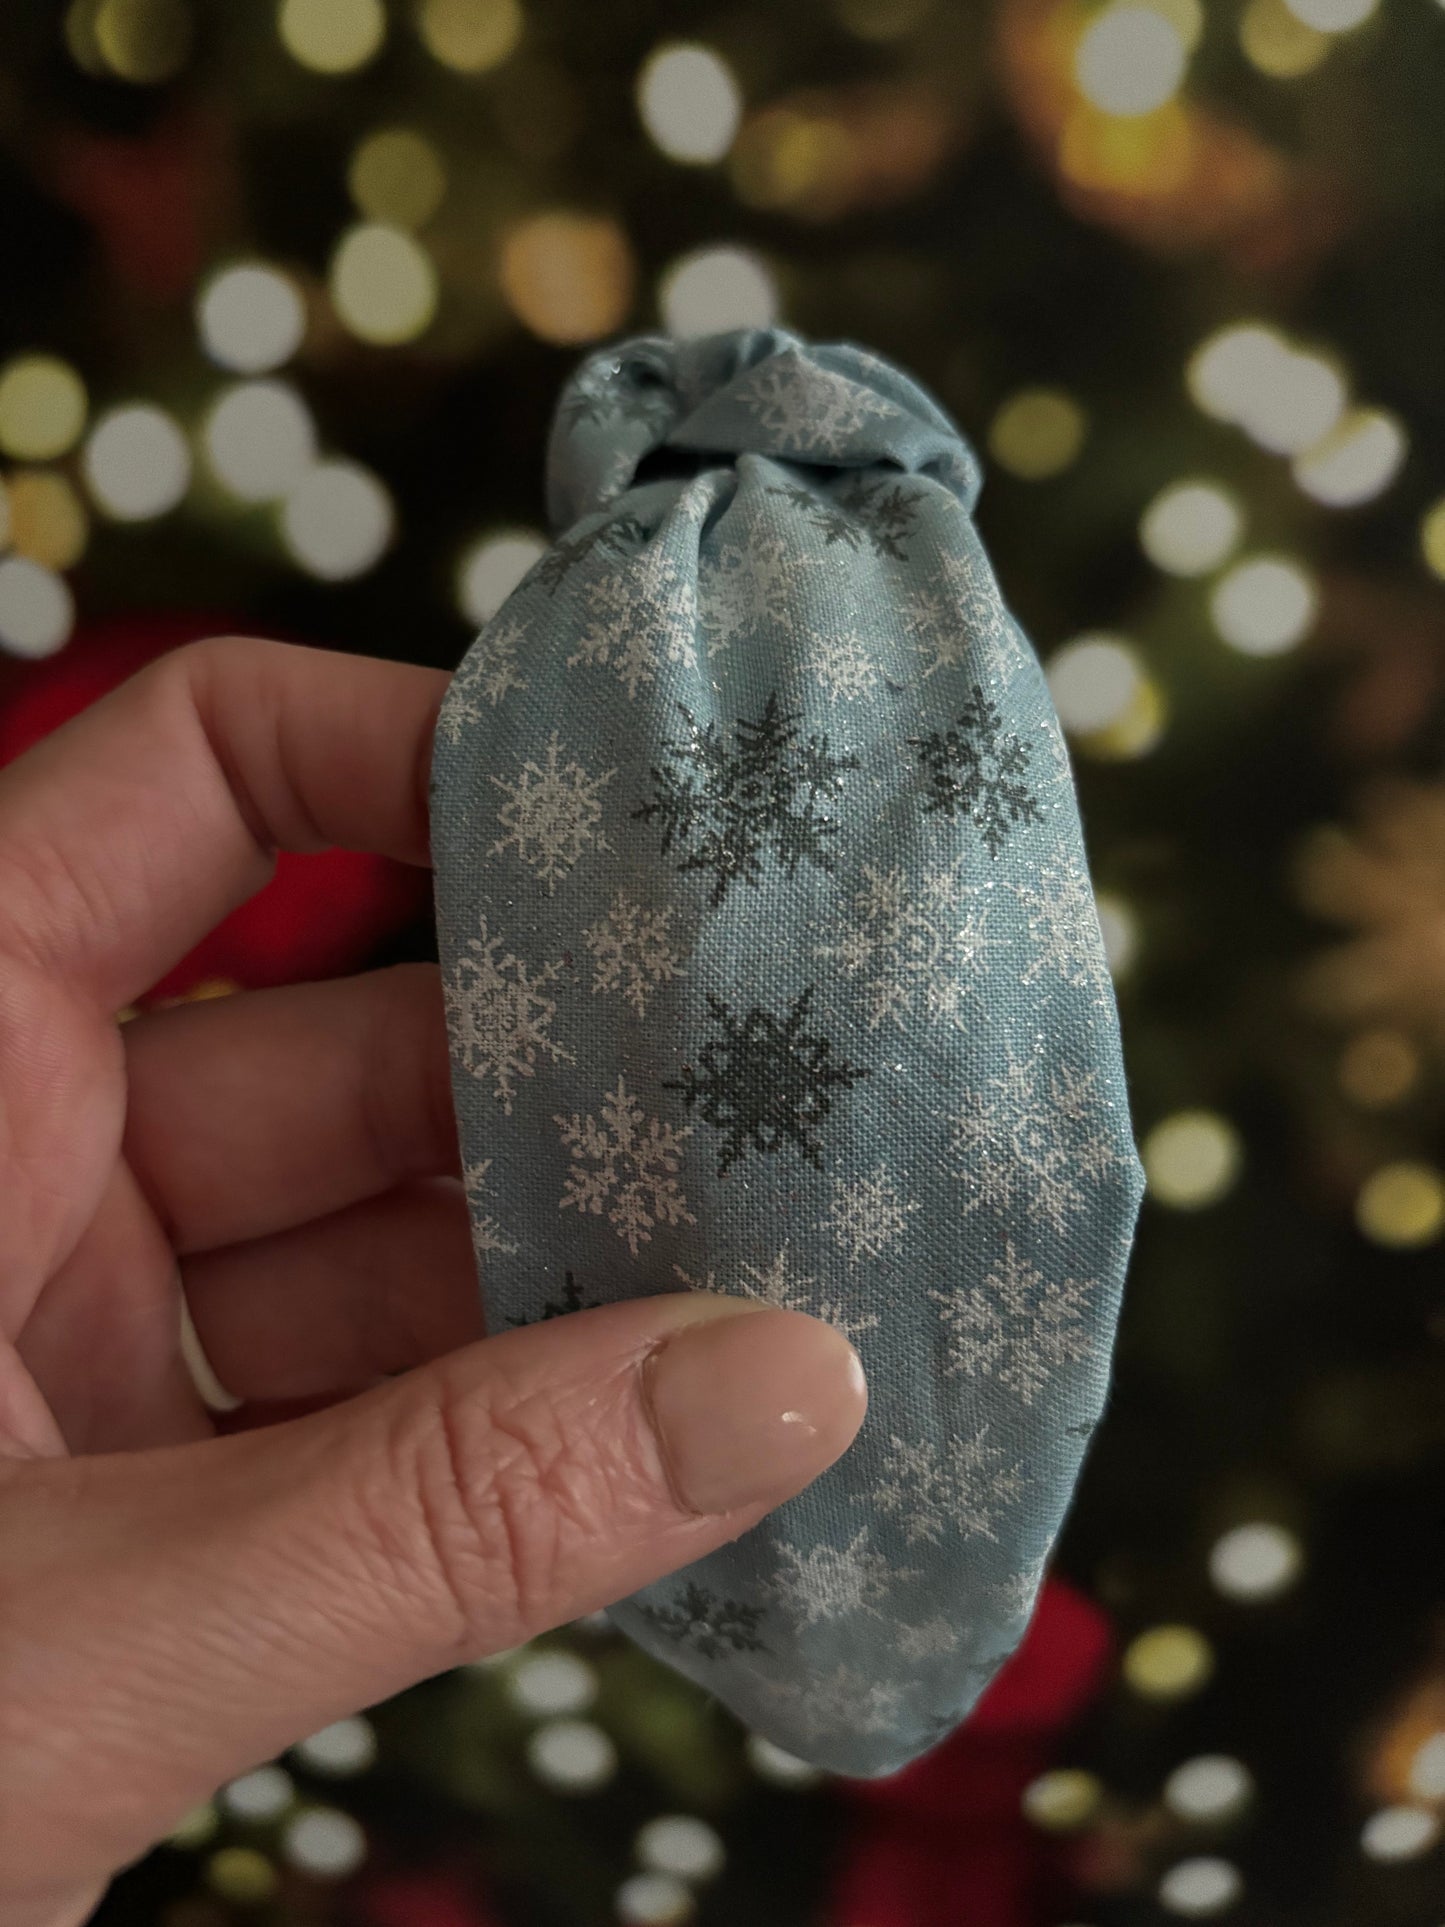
<point>772,967</point>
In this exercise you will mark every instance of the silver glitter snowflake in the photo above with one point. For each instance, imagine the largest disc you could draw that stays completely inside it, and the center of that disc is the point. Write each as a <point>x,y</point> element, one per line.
<point>962,623</point>
<point>1032,1140</point>
<point>487,1234</point>
<point>488,672</point>
<point>552,813</point>
<point>499,1014</point>
<point>934,1639</point>
<point>832,1582</point>
<point>640,615</point>
<point>841,1701</point>
<point>868,1214</point>
<point>625,1167</point>
<point>632,951</point>
<point>814,411</point>
<point>844,664</point>
<point>962,1488</point>
<point>743,592</point>
<point>1017,1327</point>
<point>920,947</point>
<point>776,1284</point>
<point>1064,930</point>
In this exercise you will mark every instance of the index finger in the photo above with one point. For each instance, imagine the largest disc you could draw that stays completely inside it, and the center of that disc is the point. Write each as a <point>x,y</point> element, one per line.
<point>131,832</point>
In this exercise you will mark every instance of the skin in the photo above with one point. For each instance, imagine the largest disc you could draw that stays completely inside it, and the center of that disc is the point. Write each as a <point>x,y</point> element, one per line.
<point>180,1597</point>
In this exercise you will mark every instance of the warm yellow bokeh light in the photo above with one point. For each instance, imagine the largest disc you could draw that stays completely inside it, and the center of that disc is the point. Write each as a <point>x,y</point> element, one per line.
<point>332,36</point>
<point>1278,42</point>
<point>1402,1205</point>
<point>470,35</point>
<point>48,521</point>
<point>195,1828</point>
<point>42,407</point>
<point>397,176</point>
<point>1379,1068</point>
<point>241,1875</point>
<point>1037,433</point>
<point>4,514</point>
<point>689,102</point>
<point>1063,1800</point>
<point>1168,1662</point>
<point>568,277</point>
<point>1130,60</point>
<point>143,40</point>
<point>383,284</point>
<point>1432,538</point>
<point>1192,1159</point>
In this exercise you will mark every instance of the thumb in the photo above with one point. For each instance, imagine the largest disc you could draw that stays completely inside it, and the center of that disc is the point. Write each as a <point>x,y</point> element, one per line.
<point>172,1617</point>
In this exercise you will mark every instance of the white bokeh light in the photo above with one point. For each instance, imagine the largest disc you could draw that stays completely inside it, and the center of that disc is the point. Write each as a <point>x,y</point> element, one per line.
<point>383,283</point>
<point>260,1795</point>
<point>1231,369</point>
<point>653,1900</point>
<point>345,1747</point>
<point>572,1755</point>
<point>1399,1833</point>
<point>716,288</point>
<point>1190,528</point>
<point>37,610</point>
<point>1332,16</point>
<point>1211,1787</point>
<point>491,568</point>
<point>1264,605</point>
<point>690,103</point>
<point>137,462</point>
<point>1130,60</point>
<point>1094,681</point>
<point>1256,1561</point>
<point>551,1682</point>
<point>1427,1769</point>
<point>1200,1887</point>
<point>1302,401</point>
<point>1192,1159</point>
<point>259,439</point>
<point>325,1842</point>
<point>679,1844</point>
<point>1355,463</point>
<point>338,520</point>
<point>1119,929</point>
<point>251,318</point>
<point>772,1763</point>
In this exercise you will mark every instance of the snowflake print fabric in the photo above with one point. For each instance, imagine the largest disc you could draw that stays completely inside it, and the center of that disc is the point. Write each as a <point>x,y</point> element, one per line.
<point>773,968</point>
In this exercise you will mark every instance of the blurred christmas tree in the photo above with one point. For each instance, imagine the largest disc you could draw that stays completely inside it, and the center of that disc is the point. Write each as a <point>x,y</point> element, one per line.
<point>286,293</point>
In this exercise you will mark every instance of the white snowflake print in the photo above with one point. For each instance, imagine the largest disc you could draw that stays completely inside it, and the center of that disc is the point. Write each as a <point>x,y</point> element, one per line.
<point>1016,1328</point>
<point>843,1700</point>
<point>640,615</point>
<point>844,664</point>
<point>934,1639</point>
<point>960,1489</point>
<point>746,590</point>
<point>785,1290</point>
<point>625,1166</point>
<point>1032,1139</point>
<point>868,1214</point>
<point>498,1015</point>
<point>920,947</point>
<point>632,951</point>
<point>487,673</point>
<point>551,814</point>
<point>831,1582</point>
<point>487,1234</point>
<point>962,623</point>
<point>1064,929</point>
<point>815,411</point>
<point>1014,1598</point>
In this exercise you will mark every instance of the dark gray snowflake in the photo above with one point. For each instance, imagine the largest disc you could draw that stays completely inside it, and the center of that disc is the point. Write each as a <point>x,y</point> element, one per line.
<point>622,533</point>
<point>765,1081</point>
<point>572,1300</point>
<point>713,1626</point>
<point>978,770</point>
<point>726,803</point>
<point>880,514</point>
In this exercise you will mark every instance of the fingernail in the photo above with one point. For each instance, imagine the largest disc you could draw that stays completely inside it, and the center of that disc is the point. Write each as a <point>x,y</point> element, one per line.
<point>750,1408</point>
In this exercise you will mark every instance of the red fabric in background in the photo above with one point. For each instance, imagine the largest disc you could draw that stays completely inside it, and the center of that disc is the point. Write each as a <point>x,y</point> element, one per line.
<point>319,916</point>
<point>945,1842</point>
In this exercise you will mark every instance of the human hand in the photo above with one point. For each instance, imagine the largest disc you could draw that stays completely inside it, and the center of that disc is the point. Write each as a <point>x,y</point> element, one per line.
<point>178,1604</point>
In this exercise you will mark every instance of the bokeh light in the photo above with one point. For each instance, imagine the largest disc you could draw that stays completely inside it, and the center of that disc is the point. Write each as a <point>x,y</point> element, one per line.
<point>1301,400</point>
<point>37,610</point>
<point>1119,928</point>
<point>715,288</point>
<point>338,520</point>
<point>1191,527</point>
<point>1130,60</point>
<point>681,1845</point>
<point>45,518</point>
<point>1200,1887</point>
<point>332,36</point>
<point>144,41</point>
<point>690,102</point>
<point>1063,1800</point>
<point>1230,371</point>
<point>1208,1789</point>
<point>42,407</point>
<point>883,19</point>
<point>1255,1562</point>
<point>137,463</point>
<point>470,35</point>
<point>1192,1159</point>
<point>772,1763</point>
<point>1038,433</point>
<point>4,513</point>
<point>551,1682</point>
<point>1432,538</point>
<point>1427,1769</point>
<point>653,1900</point>
<point>345,1747</point>
<point>259,439</point>
<point>1278,42</point>
<point>1094,681</point>
<point>260,1795</point>
<point>397,177</point>
<point>251,318</point>
<point>383,284</point>
<point>492,567</point>
<point>1356,461</point>
<point>1332,16</point>
<point>1399,1833</point>
<point>568,277</point>
<point>196,1828</point>
<point>1168,1662</point>
<point>1379,1068</point>
<point>1402,1205</point>
<point>574,1756</point>
<point>1265,605</point>
<point>325,1843</point>
<point>241,1875</point>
